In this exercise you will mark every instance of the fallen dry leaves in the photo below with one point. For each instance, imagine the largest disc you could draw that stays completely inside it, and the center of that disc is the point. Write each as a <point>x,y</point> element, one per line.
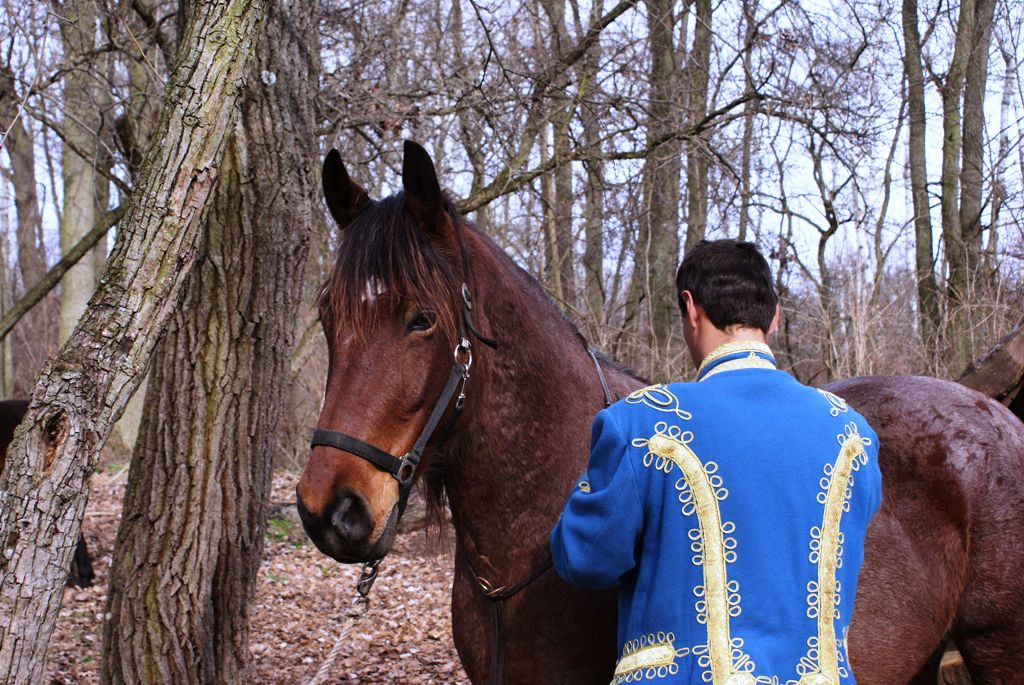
<point>299,607</point>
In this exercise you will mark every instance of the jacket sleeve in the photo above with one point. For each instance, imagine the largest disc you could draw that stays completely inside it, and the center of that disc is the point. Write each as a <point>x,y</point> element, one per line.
<point>596,540</point>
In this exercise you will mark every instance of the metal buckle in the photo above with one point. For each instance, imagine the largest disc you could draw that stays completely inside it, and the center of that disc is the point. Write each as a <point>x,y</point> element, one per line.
<point>407,470</point>
<point>366,578</point>
<point>464,349</point>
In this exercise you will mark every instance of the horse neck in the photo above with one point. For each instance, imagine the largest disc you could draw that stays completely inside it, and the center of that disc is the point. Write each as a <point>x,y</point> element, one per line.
<point>527,422</point>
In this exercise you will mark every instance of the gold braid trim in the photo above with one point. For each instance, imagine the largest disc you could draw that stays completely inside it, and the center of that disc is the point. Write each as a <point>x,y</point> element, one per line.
<point>718,598</point>
<point>733,347</point>
<point>649,656</point>
<point>751,362</point>
<point>700,490</point>
<point>822,665</point>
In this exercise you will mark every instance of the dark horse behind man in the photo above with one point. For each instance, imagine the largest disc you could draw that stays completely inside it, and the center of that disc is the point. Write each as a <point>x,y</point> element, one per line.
<point>410,309</point>
<point>11,414</point>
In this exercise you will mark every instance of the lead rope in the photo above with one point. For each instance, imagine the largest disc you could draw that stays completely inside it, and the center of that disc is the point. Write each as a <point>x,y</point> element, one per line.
<point>360,603</point>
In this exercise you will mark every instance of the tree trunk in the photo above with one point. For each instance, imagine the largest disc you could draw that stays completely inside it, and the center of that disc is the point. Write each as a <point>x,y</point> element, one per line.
<point>956,250</point>
<point>560,254</point>
<point>973,138</point>
<point>563,209</point>
<point>134,131</point>
<point>999,167</point>
<point>593,209</point>
<point>200,475</point>
<point>39,332</point>
<point>749,110</point>
<point>826,288</point>
<point>927,288</point>
<point>82,390</point>
<point>697,67</point>
<point>658,246</point>
<point>81,125</point>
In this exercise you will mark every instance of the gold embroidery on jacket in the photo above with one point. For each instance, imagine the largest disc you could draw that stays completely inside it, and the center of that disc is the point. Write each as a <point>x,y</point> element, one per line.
<point>659,397</point>
<point>700,490</point>
<point>647,657</point>
<point>823,664</point>
<point>837,405</point>
<point>733,347</point>
<point>751,362</point>
<point>718,598</point>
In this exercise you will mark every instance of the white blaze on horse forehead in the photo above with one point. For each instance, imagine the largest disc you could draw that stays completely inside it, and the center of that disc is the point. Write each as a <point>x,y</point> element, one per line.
<point>373,289</point>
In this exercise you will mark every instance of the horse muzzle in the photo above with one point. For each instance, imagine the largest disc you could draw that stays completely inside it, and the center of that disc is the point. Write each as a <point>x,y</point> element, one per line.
<point>343,530</point>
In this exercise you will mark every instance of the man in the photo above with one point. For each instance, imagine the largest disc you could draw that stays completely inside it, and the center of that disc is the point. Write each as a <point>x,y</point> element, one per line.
<point>730,512</point>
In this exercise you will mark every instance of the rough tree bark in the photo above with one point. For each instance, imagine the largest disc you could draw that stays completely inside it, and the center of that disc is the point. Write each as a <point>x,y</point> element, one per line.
<point>191,537</point>
<point>924,259</point>
<point>134,132</point>
<point>83,388</point>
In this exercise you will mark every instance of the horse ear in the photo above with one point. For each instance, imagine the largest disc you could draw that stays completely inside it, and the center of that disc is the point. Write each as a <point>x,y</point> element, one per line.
<point>419,181</point>
<point>345,198</point>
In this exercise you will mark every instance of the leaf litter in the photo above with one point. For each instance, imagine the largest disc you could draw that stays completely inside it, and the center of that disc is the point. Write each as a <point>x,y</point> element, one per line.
<point>299,607</point>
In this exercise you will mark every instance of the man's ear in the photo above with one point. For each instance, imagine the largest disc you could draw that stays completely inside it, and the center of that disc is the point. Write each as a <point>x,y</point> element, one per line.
<point>692,308</point>
<point>775,321</point>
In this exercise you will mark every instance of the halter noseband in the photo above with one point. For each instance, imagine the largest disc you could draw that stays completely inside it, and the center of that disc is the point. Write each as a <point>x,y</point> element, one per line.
<point>404,468</point>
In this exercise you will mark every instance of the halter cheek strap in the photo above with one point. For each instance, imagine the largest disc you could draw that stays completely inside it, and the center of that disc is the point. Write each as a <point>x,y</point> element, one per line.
<point>403,468</point>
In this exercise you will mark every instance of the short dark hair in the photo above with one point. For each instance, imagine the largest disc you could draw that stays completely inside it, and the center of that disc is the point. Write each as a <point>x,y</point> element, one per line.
<point>731,280</point>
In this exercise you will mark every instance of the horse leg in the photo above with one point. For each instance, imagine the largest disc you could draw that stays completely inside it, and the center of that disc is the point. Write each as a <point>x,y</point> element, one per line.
<point>989,627</point>
<point>81,569</point>
<point>907,598</point>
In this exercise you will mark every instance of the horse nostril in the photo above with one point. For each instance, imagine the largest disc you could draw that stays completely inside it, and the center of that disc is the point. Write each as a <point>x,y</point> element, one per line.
<point>351,519</point>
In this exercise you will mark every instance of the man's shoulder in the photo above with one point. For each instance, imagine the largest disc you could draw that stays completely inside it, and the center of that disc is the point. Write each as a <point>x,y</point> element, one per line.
<point>666,398</point>
<point>836,408</point>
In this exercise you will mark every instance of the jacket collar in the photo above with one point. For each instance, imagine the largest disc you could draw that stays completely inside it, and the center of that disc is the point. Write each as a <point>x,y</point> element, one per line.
<point>736,354</point>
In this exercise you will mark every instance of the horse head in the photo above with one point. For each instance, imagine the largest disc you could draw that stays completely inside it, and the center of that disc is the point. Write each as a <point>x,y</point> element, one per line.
<point>391,312</point>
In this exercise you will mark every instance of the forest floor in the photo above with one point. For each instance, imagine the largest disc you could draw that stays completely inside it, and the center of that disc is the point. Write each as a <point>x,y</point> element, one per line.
<point>299,607</point>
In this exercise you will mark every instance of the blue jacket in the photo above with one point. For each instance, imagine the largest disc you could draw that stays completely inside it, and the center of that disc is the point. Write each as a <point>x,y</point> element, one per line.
<point>731,515</point>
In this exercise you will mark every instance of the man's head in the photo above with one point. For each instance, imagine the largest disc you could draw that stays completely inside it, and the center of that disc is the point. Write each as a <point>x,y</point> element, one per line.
<point>725,292</point>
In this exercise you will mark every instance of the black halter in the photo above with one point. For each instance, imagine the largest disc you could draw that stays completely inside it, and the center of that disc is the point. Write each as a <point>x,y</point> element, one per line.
<point>404,468</point>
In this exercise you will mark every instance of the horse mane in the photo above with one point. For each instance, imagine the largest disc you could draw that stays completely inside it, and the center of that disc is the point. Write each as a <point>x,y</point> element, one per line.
<point>385,250</point>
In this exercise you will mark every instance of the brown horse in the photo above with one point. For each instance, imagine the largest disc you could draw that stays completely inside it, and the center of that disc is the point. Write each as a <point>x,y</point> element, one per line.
<point>944,555</point>
<point>11,414</point>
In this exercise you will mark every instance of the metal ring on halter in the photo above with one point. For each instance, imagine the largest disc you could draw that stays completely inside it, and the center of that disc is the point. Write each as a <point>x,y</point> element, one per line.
<point>407,469</point>
<point>464,348</point>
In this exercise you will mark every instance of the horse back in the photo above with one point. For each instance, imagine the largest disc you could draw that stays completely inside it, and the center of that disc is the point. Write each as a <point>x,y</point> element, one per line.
<point>951,523</point>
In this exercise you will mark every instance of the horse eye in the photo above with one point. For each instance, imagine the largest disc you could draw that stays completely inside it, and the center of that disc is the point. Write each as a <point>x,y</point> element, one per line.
<point>422,321</point>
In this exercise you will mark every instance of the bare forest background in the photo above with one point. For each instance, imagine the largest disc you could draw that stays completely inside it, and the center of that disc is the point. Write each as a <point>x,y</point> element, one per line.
<point>873,150</point>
